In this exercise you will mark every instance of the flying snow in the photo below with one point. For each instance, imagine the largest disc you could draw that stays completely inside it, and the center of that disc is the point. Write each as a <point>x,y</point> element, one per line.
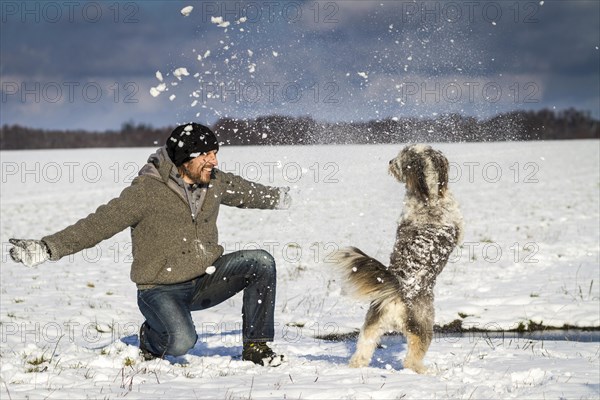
<point>155,91</point>
<point>179,72</point>
<point>185,11</point>
<point>220,22</point>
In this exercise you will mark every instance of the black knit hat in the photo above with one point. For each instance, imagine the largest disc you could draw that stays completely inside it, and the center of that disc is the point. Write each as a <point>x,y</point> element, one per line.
<point>189,141</point>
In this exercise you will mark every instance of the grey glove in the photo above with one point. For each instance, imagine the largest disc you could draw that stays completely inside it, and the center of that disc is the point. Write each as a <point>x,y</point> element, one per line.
<point>285,200</point>
<point>29,252</point>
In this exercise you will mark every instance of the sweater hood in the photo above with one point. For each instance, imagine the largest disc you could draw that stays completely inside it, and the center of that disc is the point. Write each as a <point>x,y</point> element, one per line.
<point>160,166</point>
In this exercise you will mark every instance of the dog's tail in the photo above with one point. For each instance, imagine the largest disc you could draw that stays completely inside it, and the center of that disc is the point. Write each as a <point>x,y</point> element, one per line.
<point>369,279</point>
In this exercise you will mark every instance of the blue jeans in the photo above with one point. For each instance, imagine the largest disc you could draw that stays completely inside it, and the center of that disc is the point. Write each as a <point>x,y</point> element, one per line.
<point>169,329</point>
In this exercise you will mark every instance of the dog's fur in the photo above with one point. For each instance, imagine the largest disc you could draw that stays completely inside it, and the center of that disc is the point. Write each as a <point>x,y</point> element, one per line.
<point>401,294</point>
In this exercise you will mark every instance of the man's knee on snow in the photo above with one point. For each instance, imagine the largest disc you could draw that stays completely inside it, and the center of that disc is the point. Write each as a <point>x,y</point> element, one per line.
<point>181,342</point>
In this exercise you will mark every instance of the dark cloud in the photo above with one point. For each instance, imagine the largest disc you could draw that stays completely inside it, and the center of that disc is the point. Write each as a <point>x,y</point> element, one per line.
<point>331,60</point>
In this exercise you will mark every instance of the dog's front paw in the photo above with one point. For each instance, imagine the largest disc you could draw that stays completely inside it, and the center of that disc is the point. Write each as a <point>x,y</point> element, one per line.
<point>358,362</point>
<point>418,367</point>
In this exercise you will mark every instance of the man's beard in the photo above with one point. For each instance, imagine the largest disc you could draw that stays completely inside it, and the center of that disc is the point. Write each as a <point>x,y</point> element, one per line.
<point>197,177</point>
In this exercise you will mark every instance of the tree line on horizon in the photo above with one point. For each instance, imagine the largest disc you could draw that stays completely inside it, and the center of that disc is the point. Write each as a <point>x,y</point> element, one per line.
<point>286,130</point>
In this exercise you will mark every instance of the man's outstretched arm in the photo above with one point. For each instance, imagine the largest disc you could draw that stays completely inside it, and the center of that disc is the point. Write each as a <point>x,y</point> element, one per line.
<point>109,219</point>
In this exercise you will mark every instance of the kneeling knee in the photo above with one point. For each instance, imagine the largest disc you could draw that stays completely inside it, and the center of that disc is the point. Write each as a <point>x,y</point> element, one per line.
<point>181,343</point>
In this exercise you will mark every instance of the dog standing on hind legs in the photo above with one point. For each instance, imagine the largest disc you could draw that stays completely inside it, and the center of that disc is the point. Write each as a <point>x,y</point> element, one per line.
<point>401,294</point>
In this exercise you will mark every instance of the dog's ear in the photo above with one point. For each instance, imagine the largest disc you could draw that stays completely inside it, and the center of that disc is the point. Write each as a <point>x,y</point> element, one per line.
<point>414,171</point>
<point>440,165</point>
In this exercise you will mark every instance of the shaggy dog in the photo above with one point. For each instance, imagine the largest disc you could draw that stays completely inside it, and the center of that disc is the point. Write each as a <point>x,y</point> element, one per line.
<point>401,294</point>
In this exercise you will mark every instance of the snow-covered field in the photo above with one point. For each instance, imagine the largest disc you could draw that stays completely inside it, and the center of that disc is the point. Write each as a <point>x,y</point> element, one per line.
<point>531,255</point>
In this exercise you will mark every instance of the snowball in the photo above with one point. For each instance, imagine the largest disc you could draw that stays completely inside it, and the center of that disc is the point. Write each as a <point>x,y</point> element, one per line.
<point>219,22</point>
<point>179,72</point>
<point>211,270</point>
<point>185,11</point>
<point>363,75</point>
<point>172,97</point>
<point>159,76</point>
<point>155,91</point>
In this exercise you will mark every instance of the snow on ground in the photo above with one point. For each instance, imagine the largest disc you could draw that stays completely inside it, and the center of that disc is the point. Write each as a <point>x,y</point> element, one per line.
<point>531,254</point>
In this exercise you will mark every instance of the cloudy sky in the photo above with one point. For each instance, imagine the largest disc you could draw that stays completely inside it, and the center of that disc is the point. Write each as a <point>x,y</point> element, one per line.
<point>93,65</point>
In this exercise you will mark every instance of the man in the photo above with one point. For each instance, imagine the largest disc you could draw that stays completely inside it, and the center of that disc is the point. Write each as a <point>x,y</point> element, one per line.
<point>178,265</point>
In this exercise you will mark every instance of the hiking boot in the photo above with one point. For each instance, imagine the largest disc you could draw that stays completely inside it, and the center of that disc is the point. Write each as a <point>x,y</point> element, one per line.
<point>261,354</point>
<point>146,354</point>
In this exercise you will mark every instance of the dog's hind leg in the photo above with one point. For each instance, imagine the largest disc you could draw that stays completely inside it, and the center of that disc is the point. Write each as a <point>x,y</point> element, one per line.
<point>419,333</point>
<point>368,338</point>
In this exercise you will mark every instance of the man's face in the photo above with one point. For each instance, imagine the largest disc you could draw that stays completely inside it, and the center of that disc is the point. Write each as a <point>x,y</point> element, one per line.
<point>198,170</point>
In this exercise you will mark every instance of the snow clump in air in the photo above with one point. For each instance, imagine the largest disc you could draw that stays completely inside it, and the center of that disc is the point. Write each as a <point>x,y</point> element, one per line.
<point>219,22</point>
<point>185,11</point>
<point>155,91</point>
<point>179,72</point>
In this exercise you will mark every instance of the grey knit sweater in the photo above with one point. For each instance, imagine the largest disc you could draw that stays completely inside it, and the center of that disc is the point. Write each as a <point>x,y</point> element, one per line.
<point>172,241</point>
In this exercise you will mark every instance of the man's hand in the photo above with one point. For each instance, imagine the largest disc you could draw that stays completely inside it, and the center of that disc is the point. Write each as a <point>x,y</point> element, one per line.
<point>285,200</point>
<point>29,252</point>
